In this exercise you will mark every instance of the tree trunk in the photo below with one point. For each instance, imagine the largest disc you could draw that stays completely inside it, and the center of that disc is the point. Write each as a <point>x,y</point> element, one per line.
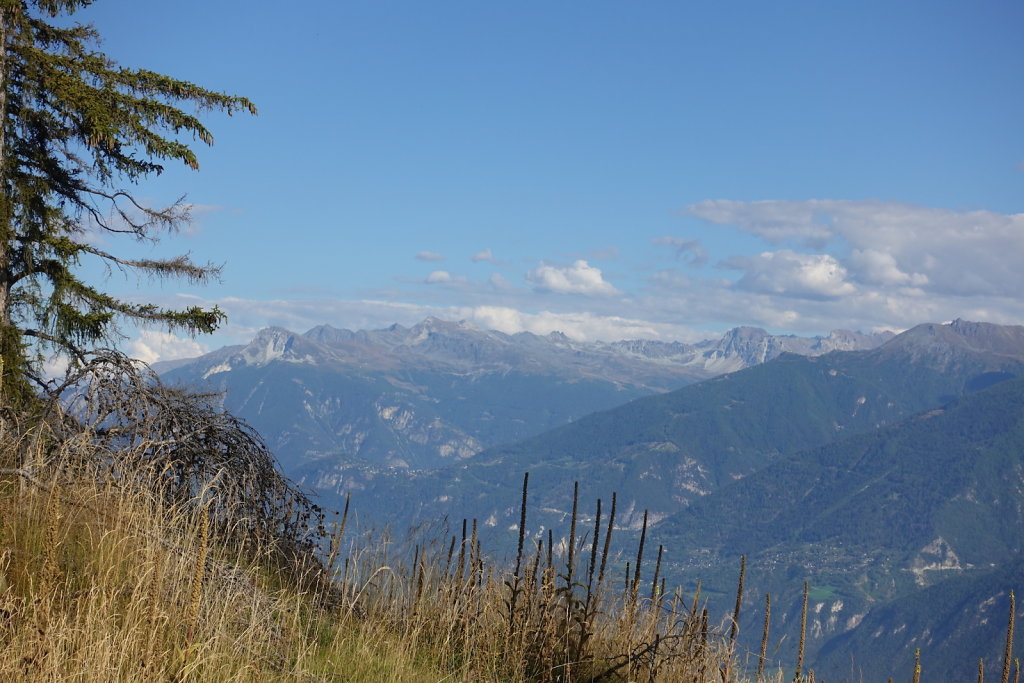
<point>5,208</point>
<point>10,346</point>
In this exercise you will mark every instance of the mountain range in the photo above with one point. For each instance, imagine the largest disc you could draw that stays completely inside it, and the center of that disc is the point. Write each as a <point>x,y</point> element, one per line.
<point>440,392</point>
<point>663,452</point>
<point>885,472</point>
<point>874,520</point>
<point>877,476</point>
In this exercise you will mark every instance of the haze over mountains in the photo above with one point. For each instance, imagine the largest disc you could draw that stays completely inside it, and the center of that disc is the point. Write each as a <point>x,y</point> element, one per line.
<point>441,391</point>
<point>664,451</point>
<point>885,471</point>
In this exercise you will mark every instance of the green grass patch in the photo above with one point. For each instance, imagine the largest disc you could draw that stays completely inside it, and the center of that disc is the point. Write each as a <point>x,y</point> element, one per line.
<point>821,593</point>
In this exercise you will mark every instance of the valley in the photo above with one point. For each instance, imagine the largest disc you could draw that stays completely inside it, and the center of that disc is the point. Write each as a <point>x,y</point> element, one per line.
<point>877,468</point>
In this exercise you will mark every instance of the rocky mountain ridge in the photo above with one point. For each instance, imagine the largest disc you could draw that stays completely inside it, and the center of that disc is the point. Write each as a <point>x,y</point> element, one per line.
<point>424,395</point>
<point>462,345</point>
<point>866,472</point>
<point>878,476</point>
<point>670,449</point>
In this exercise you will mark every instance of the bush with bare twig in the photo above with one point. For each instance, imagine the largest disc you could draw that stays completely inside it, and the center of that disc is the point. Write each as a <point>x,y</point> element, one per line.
<point>179,446</point>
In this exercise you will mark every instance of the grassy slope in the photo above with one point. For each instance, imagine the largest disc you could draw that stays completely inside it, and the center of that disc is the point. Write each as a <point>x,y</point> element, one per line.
<point>96,583</point>
<point>101,583</point>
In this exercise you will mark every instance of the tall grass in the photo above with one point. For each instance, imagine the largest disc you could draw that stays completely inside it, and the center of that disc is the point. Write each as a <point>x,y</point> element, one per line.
<point>98,582</point>
<point>101,579</point>
<point>104,577</point>
<point>552,614</point>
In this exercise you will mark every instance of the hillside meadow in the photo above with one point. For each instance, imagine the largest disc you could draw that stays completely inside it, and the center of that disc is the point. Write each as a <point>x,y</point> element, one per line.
<point>100,580</point>
<point>139,542</point>
<point>147,536</point>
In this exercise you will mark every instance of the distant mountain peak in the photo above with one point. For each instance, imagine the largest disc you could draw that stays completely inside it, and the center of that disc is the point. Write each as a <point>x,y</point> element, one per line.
<point>463,347</point>
<point>434,323</point>
<point>978,330</point>
<point>277,343</point>
<point>323,329</point>
<point>746,332</point>
<point>947,340</point>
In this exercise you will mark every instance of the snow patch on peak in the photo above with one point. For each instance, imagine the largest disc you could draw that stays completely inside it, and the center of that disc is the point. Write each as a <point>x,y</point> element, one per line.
<point>270,344</point>
<point>217,369</point>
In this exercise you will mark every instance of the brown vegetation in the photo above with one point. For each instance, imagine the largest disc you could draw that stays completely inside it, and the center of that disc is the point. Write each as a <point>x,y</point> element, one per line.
<point>147,536</point>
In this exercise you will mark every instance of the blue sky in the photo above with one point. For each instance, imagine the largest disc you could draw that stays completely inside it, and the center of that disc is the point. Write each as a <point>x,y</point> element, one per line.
<point>656,169</point>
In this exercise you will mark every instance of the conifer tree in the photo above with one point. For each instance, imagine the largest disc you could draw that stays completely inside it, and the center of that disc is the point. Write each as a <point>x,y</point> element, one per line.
<point>78,131</point>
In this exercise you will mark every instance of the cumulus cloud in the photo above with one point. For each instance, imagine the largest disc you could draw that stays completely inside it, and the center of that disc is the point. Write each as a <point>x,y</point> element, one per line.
<point>865,265</point>
<point>787,273</point>
<point>579,277</point>
<point>55,366</point>
<point>484,255</point>
<point>718,304</point>
<point>152,346</point>
<point>671,308</point>
<point>429,256</point>
<point>774,221</point>
<point>945,252</point>
<point>876,267</point>
<point>437,277</point>
<point>688,250</point>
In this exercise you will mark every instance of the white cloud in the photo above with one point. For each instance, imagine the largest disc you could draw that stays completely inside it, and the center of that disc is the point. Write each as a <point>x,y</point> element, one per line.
<point>883,265</point>
<point>438,276</point>
<point>429,256</point>
<point>718,304</point>
<point>880,268</point>
<point>247,316</point>
<point>578,277</point>
<point>55,366</point>
<point>689,250</point>
<point>583,326</point>
<point>788,273</point>
<point>946,252</point>
<point>484,255</point>
<point>152,346</point>
<point>671,309</point>
<point>774,221</point>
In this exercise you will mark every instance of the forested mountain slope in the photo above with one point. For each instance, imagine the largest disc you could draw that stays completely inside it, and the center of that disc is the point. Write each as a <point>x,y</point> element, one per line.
<point>439,392</point>
<point>665,452</point>
<point>936,500</point>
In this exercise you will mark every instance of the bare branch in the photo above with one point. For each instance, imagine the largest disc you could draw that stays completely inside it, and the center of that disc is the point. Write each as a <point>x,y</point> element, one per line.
<point>184,448</point>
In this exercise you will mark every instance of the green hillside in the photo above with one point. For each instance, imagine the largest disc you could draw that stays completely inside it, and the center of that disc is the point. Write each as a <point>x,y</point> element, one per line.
<point>932,501</point>
<point>665,452</point>
<point>955,623</point>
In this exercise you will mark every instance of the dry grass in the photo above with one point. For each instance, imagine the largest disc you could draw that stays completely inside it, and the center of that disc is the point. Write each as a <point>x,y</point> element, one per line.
<point>150,538</point>
<point>100,581</point>
<point>555,614</point>
<point>144,536</point>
